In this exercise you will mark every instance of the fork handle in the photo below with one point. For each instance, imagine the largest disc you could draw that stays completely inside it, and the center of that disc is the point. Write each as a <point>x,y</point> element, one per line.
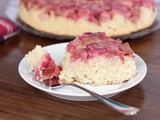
<point>119,107</point>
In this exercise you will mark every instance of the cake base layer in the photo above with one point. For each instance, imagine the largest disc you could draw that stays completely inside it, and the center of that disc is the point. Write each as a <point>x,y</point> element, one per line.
<point>97,71</point>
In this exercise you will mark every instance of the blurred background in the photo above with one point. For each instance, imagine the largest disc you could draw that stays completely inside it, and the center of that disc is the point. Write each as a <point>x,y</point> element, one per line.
<point>3,4</point>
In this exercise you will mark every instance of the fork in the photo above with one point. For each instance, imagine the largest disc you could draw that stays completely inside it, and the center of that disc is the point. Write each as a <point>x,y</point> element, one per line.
<point>117,106</point>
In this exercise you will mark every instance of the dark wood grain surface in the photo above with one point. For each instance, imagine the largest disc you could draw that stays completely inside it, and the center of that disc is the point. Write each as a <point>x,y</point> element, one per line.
<point>20,101</point>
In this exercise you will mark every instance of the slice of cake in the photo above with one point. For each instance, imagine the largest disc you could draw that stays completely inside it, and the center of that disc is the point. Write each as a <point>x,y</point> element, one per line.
<point>74,17</point>
<point>97,59</point>
<point>43,66</point>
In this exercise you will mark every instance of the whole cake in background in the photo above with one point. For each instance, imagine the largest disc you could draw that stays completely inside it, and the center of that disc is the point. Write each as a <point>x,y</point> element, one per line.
<point>74,17</point>
<point>92,58</point>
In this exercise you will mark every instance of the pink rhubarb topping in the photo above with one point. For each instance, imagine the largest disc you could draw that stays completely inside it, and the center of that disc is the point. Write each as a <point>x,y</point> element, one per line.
<point>47,71</point>
<point>96,11</point>
<point>91,45</point>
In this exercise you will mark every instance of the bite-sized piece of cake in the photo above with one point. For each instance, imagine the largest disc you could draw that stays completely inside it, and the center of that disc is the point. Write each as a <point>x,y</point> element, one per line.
<point>74,17</point>
<point>97,59</point>
<point>43,66</point>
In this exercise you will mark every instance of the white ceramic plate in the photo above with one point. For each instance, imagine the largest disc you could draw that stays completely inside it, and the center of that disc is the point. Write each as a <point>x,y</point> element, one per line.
<point>71,93</point>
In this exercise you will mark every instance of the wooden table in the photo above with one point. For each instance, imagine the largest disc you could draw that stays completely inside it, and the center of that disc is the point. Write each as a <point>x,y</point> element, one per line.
<point>20,101</point>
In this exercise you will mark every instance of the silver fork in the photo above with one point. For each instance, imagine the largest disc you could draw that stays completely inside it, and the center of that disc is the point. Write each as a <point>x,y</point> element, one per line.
<point>119,107</point>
